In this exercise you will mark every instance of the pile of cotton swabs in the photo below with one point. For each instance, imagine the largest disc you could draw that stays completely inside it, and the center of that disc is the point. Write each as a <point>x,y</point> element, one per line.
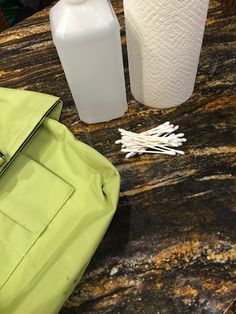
<point>159,140</point>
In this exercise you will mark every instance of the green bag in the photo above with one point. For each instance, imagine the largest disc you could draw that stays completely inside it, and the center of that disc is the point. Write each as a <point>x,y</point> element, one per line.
<point>57,198</point>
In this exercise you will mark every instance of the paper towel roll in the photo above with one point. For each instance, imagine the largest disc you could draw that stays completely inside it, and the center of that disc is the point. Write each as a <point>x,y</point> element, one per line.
<point>164,39</point>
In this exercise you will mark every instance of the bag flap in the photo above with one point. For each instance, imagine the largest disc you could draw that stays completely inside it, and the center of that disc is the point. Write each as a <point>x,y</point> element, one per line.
<point>21,113</point>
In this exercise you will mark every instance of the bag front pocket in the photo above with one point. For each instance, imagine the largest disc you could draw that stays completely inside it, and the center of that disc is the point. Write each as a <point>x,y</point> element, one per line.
<point>30,197</point>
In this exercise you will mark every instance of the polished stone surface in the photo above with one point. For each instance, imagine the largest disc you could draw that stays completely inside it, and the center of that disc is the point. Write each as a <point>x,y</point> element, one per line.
<point>171,247</point>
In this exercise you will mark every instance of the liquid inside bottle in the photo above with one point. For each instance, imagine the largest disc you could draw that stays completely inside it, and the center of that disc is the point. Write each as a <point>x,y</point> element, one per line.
<point>86,34</point>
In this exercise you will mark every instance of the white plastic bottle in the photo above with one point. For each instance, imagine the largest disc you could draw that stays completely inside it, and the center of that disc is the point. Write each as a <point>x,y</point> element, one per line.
<point>86,34</point>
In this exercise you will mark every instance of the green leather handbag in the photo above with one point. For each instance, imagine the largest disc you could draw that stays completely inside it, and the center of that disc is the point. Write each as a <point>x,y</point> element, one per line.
<point>57,198</point>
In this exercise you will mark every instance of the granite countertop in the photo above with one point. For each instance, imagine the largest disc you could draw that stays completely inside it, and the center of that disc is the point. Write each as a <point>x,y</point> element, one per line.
<point>171,247</point>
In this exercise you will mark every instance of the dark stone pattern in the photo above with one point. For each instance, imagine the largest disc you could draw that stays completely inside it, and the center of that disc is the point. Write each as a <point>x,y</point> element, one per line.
<point>171,247</point>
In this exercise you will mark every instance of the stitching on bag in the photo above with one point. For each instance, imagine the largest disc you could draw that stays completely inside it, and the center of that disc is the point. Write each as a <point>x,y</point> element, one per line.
<point>70,193</point>
<point>37,109</point>
<point>15,221</point>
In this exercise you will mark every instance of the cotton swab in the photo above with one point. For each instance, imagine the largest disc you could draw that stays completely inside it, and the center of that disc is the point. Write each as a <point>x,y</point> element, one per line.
<point>159,140</point>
